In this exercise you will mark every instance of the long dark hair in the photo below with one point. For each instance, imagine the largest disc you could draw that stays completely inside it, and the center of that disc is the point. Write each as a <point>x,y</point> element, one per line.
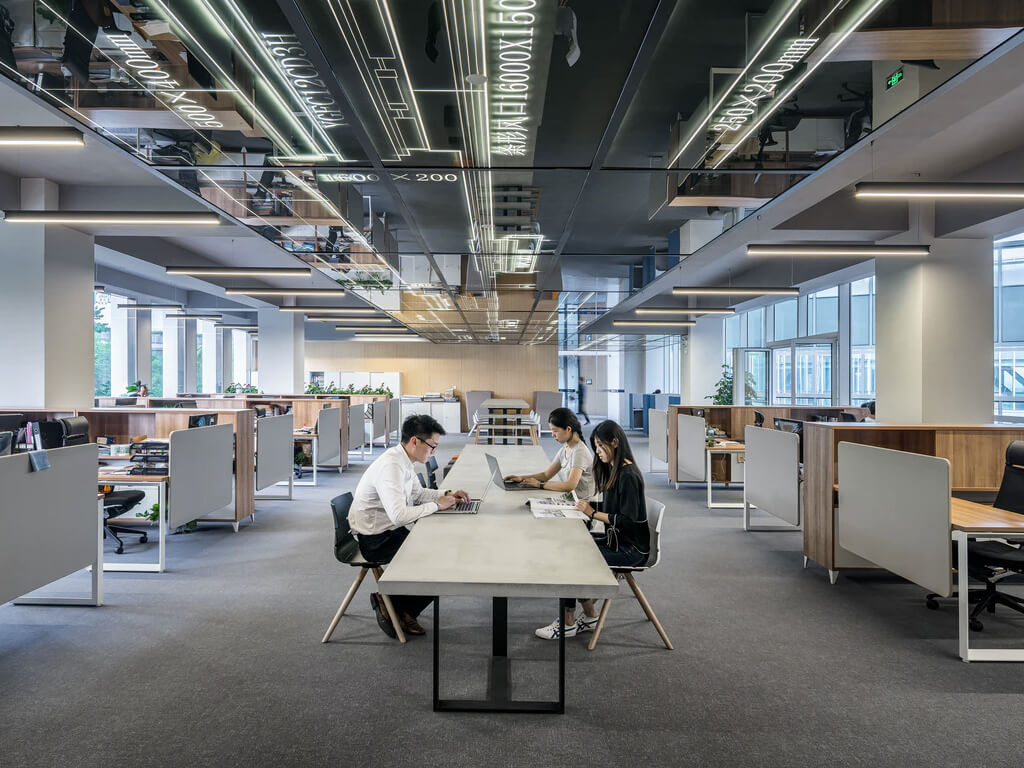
<point>563,418</point>
<point>608,432</point>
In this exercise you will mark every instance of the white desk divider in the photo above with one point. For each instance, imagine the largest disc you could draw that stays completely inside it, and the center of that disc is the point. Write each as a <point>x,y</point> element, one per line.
<point>657,429</point>
<point>894,510</point>
<point>46,529</point>
<point>275,454</point>
<point>691,444</point>
<point>771,478</point>
<point>200,468</point>
<point>380,420</point>
<point>394,420</point>
<point>357,427</point>
<point>328,435</point>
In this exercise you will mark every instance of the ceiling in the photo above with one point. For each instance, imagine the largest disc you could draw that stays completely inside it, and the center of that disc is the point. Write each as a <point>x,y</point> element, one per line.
<point>474,168</point>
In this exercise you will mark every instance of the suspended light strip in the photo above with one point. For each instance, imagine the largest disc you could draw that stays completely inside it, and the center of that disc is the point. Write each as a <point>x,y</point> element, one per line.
<point>385,337</point>
<point>353,319</point>
<point>237,327</point>
<point>194,316</point>
<point>333,310</point>
<point>691,311</point>
<point>653,323</point>
<point>927,190</point>
<point>734,290</point>
<point>869,251</point>
<point>242,271</point>
<point>371,329</point>
<point>284,292</point>
<point>111,217</point>
<point>14,136</point>
<point>175,307</point>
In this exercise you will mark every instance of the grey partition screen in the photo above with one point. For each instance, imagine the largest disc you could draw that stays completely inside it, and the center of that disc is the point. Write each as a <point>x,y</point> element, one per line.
<point>274,450</point>
<point>691,447</point>
<point>356,426</point>
<point>48,520</point>
<point>395,416</point>
<point>202,478</point>
<point>658,430</point>
<point>894,511</point>
<point>328,431</point>
<point>771,475</point>
<point>380,415</point>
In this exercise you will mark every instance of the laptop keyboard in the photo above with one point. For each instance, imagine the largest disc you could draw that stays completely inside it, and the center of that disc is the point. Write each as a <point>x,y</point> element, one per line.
<point>467,506</point>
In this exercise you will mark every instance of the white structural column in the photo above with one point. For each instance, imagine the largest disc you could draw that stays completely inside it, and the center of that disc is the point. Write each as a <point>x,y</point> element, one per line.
<point>144,347</point>
<point>224,358</point>
<point>47,312</point>
<point>282,355</point>
<point>171,344</point>
<point>188,351</point>
<point>702,359</point>
<point>934,335</point>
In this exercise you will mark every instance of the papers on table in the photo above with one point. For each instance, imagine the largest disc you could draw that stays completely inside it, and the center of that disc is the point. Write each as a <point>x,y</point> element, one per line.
<point>556,507</point>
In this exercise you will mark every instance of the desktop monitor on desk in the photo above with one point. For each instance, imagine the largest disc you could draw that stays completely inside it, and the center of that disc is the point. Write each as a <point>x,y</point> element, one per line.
<point>261,411</point>
<point>202,420</point>
<point>11,422</point>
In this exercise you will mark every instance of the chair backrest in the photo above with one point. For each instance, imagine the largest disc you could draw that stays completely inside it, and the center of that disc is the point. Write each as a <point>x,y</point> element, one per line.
<point>845,416</point>
<point>75,429</point>
<point>758,419</point>
<point>346,548</point>
<point>474,399</point>
<point>698,412</point>
<point>1011,489</point>
<point>6,443</point>
<point>432,473</point>
<point>655,515</point>
<point>423,480</point>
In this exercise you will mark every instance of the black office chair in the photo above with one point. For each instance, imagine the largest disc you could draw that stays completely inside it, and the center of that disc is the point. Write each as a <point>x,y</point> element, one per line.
<point>992,561</point>
<point>844,416</point>
<point>432,468</point>
<point>346,550</point>
<point>758,419</point>
<point>423,480</point>
<point>698,412</point>
<point>74,431</point>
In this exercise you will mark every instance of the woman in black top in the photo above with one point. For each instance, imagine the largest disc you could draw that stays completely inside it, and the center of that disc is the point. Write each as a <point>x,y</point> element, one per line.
<point>627,539</point>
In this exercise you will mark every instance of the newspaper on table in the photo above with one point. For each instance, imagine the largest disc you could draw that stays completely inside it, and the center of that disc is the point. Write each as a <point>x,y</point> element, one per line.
<point>563,506</point>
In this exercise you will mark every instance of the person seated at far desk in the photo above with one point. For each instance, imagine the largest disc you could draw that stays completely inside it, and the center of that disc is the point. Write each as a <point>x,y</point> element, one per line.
<point>388,498</point>
<point>623,510</point>
<point>573,467</point>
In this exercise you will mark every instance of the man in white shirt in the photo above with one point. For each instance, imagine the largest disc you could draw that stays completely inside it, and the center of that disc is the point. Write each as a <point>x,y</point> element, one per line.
<point>388,498</point>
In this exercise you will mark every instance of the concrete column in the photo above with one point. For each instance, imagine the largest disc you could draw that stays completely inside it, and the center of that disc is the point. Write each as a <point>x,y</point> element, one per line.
<point>171,362</point>
<point>224,358</point>
<point>207,340</point>
<point>187,351</point>
<point>702,360</point>
<point>47,342</point>
<point>144,347</point>
<point>282,355</point>
<point>934,335</point>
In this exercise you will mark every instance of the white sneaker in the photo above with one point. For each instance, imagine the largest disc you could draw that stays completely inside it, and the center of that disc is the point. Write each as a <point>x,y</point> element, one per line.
<point>550,632</point>
<point>586,624</point>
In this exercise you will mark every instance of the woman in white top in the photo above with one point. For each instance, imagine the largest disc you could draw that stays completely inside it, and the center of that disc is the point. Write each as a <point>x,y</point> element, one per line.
<point>573,467</point>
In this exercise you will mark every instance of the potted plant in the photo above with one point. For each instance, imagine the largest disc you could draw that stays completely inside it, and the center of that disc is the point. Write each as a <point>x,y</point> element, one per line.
<point>723,388</point>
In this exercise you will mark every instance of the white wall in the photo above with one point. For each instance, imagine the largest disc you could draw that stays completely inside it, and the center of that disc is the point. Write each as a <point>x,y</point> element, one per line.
<point>702,360</point>
<point>282,351</point>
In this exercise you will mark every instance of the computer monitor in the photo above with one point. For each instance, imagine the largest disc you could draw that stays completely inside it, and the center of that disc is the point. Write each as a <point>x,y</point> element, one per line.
<point>202,420</point>
<point>10,422</point>
<point>125,400</point>
<point>261,411</point>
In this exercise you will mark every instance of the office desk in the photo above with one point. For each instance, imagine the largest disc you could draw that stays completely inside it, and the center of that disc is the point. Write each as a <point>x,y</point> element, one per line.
<point>501,552</point>
<point>969,520</point>
<point>720,448</point>
<point>143,482</point>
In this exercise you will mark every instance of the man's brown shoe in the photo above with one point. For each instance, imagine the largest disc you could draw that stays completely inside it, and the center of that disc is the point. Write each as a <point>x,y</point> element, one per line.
<point>411,626</point>
<point>383,620</point>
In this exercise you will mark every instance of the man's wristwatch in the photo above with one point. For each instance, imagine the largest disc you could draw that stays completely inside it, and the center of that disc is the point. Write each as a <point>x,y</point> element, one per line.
<point>542,484</point>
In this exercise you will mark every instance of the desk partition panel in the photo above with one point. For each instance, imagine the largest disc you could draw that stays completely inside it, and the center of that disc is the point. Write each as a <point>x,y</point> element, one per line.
<point>894,510</point>
<point>395,417</point>
<point>328,431</point>
<point>200,467</point>
<point>380,416</point>
<point>48,519</point>
<point>274,450</point>
<point>691,442</point>
<point>657,422</point>
<point>771,475</point>
<point>356,426</point>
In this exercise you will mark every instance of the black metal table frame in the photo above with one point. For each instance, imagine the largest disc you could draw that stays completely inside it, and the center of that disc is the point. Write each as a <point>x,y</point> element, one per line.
<point>499,678</point>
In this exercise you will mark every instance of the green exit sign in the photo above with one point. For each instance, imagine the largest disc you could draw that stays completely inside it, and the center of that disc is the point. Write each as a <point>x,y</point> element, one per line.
<point>894,79</point>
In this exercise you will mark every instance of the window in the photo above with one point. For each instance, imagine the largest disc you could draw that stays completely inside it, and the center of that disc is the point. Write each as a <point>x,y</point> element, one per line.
<point>101,342</point>
<point>785,320</point>
<point>755,327</point>
<point>823,311</point>
<point>1008,370</point>
<point>862,340</point>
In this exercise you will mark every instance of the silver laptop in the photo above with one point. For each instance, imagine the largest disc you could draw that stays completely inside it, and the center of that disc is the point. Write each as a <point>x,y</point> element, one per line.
<point>501,482</point>
<point>472,506</point>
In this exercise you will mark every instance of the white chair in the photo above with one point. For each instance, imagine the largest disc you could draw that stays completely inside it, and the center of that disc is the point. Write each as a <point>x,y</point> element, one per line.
<point>655,514</point>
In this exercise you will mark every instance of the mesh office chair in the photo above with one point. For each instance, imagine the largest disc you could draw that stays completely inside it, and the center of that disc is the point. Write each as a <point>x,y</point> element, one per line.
<point>432,468</point>
<point>844,416</point>
<point>346,550</point>
<point>655,515</point>
<point>992,561</point>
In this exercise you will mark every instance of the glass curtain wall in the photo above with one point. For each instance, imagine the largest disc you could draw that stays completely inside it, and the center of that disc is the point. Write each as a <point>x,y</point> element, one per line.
<point>101,311</point>
<point>862,340</point>
<point>1008,307</point>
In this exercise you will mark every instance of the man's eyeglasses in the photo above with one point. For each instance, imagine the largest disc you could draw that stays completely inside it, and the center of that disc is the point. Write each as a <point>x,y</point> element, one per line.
<point>432,446</point>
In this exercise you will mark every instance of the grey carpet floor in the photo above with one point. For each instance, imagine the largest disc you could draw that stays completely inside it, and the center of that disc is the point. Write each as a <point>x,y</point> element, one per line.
<point>219,662</point>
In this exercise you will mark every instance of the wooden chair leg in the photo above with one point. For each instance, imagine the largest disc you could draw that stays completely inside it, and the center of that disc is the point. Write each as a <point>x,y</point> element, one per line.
<point>605,607</point>
<point>647,609</point>
<point>344,603</point>
<point>377,573</point>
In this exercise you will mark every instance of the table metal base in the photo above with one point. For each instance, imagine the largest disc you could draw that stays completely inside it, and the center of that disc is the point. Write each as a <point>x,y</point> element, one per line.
<point>499,677</point>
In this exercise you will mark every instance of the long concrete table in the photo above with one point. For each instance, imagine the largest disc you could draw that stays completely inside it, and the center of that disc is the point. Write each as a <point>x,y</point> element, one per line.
<point>499,553</point>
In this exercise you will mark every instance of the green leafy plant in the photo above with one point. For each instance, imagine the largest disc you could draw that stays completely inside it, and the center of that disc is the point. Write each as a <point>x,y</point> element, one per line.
<point>245,389</point>
<point>723,388</point>
<point>153,515</point>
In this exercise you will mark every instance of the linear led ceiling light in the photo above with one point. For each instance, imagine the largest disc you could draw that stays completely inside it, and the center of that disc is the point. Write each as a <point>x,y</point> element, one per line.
<point>928,190</point>
<point>840,251</point>
<point>733,290</point>
<point>331,310</point>
<point>242,271</point>
<point>131,218</point>
<point>690,311</point>
<point>385,337</point>
<point>371,328</point>
<point>196,316</point>
<point>237,327</point>
<point>284,291</point>
<point>15,136</point>
<point>354,319</point>
<point>175,307</point>
<point>653,323</point>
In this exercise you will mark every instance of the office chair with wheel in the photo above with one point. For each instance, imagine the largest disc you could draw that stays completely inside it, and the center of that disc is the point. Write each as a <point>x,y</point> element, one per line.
<point>758,419</point>
<point>844,416</point>
<point>346,550</point>
<point>993,561</point>
<point>655,515</point>
<point>432,473</point>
